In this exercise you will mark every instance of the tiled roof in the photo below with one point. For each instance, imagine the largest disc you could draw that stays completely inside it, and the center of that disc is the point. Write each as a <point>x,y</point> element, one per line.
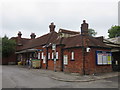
<point>47,38</point>
<point>23,41</point>
<point>69,42</point>
<point>76,41</point>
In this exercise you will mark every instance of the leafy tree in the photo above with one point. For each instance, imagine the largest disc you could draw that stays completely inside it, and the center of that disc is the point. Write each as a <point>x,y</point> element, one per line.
<point>92,32</point>
<point>114,31</point>
<point>8,46</point>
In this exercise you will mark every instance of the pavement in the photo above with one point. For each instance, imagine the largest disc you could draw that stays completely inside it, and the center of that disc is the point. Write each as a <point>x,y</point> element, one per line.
<point>71,77</point>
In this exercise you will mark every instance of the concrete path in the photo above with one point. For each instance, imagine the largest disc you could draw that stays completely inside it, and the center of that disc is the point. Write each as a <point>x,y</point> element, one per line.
<point>73,77</point>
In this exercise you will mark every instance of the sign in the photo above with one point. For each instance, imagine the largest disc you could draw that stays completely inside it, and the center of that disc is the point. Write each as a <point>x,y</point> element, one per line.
<point>39,49</point>
<point>99,59</point>
<point>103,57</point>
<point>109,59</point>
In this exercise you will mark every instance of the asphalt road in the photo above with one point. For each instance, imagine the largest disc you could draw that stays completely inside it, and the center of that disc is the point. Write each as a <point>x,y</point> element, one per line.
<point>24,78</point>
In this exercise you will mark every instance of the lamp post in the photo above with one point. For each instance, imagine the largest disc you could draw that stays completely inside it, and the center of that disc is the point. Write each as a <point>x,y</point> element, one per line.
<point>54,49</point>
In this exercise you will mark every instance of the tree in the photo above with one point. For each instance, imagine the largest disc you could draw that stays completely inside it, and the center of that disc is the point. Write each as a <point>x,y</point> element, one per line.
<point>114,31</point>
<point>92,32</point>
<point>8,46</point>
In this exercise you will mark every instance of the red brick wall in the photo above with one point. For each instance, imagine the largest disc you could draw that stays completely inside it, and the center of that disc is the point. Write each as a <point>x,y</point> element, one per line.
<point>11,59</point>
<point>43,65</point>
<point>51,61</point>
<point>92,67</point>
<point>90,62</point>
<point>76,65</point>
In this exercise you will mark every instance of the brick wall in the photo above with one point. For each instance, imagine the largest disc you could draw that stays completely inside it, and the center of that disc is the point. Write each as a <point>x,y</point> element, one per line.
<point>91,66</point>
<point>76,65</point>
<point>9,60</point>
<point>58,61</point>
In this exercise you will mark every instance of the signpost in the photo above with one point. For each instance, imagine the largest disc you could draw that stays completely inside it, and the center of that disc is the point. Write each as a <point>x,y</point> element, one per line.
<point>54,49</point>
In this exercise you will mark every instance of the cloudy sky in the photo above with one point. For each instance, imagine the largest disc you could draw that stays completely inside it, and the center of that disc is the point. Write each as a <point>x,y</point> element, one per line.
<point>35,16</point>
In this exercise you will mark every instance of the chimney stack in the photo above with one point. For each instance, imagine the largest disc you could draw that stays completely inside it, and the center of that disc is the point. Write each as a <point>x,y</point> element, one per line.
<point>84,28</point>
<point>32,35</point>
<point>19,34</point>
<point>52,27</point>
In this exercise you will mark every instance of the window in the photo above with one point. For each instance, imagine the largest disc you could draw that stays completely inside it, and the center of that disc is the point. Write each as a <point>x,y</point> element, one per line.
<point>65,59</point>
<point>56,55</point>
<point>52,55</point>
<point>38,55</point>
<point>48,55</point>
<point>44,59</point>
<point>42,55</point>
<point>72,55</point>
<point>103,57</point>
<point>63,35</point>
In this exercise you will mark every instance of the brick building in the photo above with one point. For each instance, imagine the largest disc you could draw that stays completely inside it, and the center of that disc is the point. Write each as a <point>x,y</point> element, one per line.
<point>75,52</point>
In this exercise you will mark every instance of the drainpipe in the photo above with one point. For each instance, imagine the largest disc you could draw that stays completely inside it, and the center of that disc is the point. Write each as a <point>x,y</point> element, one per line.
<point>61,57</point>
<point>47,57</point>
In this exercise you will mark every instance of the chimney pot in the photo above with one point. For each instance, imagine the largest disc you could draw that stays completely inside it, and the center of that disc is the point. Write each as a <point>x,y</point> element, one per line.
<point>84,28</point>
<point>52,27</point>
<point>32,35</point>
<point>19,34</point>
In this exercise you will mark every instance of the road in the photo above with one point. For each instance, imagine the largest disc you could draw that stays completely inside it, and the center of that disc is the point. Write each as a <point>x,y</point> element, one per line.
<point>24,78</point>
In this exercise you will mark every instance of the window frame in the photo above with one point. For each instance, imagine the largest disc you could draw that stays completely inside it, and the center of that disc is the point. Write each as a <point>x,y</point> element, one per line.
<point>72,56</point>
<point>49,56</point>
<point>39,55</point>
<point>57,55</point>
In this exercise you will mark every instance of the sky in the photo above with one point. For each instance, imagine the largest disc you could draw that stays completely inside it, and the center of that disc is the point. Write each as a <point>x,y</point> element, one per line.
<point>35,16</point>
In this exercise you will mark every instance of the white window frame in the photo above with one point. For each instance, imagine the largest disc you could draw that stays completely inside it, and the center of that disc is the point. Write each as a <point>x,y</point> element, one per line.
<point>38,55</point>
<point>57,55</point>
<point>48,55</point>
<point>65,59</point>
<point>44,59</point>
<point>72,55</point>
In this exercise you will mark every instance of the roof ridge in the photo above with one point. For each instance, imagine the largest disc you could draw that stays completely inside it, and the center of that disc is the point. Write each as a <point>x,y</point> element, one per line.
<point>68,30</point>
